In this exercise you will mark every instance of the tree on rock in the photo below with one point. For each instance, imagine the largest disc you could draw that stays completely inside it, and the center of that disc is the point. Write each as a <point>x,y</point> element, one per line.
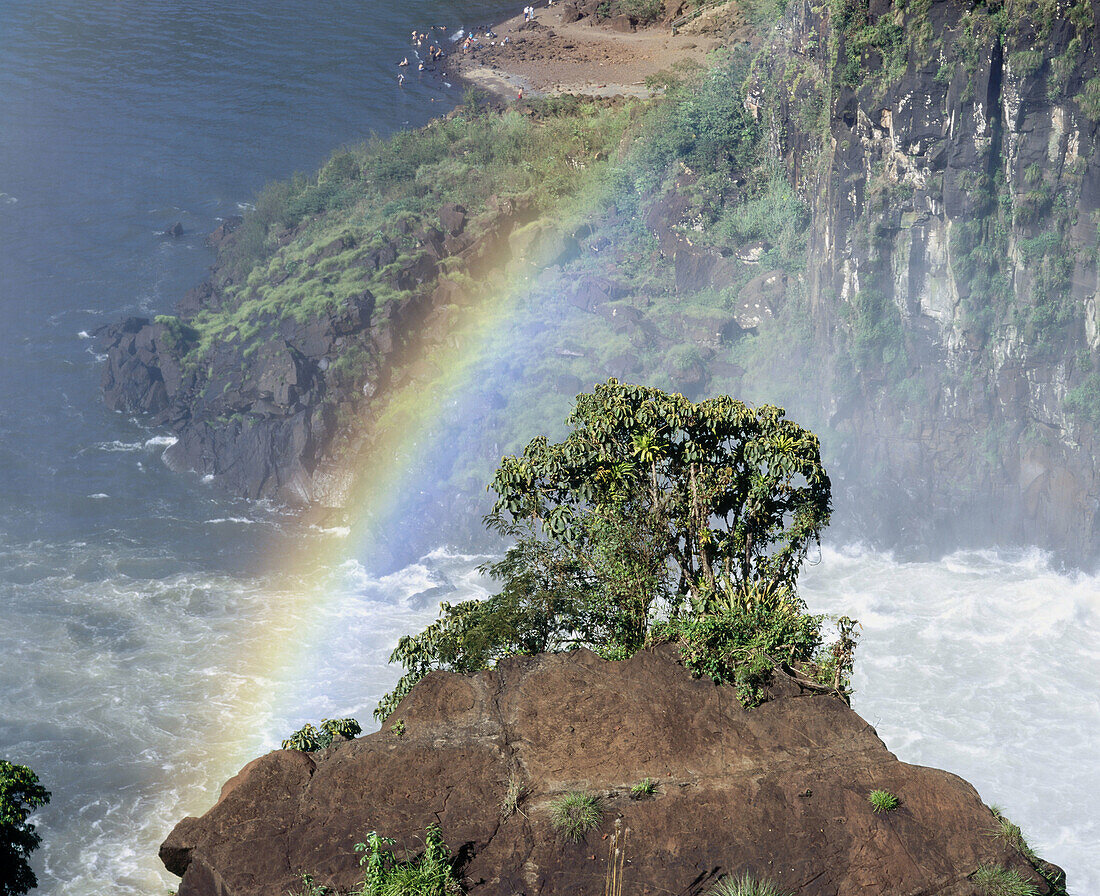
<point>654,510</point>
<point>20,794</point>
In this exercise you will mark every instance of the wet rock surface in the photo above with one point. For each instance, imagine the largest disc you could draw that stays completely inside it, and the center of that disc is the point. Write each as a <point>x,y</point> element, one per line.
<point>779,792</point>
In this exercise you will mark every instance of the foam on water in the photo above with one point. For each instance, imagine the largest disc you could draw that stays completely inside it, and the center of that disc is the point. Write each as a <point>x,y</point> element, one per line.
<point>988,666</point>
<point>982,665</point>
<point>126,620</point>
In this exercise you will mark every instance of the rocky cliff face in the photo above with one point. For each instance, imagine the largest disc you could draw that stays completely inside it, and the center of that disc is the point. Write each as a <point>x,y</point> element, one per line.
<point>940,330</point>
<point>779,792</point>
<point>268,414</point>
<point>949,152</point>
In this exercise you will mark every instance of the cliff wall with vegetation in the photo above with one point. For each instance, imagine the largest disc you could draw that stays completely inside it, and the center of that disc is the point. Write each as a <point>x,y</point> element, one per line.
<point>882,215</point>
<point>948,154</point>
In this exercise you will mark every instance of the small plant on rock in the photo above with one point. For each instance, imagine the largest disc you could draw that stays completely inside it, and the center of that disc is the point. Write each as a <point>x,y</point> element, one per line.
<point>308,739</point>
<point>513,796</point>
<point>644,789</point>
<point>745,885</point>
<point>1010,835</point>
<point>882,801</point>
<point>575,814</point>
<point>428,875</point>
<point>993,880</point>
<point>310,887</point>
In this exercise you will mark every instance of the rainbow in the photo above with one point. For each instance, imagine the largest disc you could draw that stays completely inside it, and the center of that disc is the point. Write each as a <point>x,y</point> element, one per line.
<point>299,618</point>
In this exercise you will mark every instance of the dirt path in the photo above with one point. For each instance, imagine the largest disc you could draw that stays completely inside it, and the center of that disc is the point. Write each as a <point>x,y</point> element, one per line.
<point>548,56</point>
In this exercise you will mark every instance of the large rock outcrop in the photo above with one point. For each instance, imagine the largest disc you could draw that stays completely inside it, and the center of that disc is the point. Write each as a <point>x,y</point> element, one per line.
<point>779,792</point>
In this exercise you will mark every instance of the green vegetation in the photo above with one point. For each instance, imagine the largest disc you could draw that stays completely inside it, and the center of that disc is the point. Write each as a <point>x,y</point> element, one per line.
<point>1089,99</point>
<point>657,519</point>
<point>308,739</point>
<point>744,886</point>
<point>993,880</point>
<point>429,874</point>
<point>882,801</point>
<point>644,789</point>
<point>20,794</point>
<point>576,814</point>
<point>1010,835</point>
<point>310,887</point>
<point>1083,400</point>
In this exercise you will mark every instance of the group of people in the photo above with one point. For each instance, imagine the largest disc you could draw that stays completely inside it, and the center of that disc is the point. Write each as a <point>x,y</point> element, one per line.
<point>472,39</point>
<point>435,53</point>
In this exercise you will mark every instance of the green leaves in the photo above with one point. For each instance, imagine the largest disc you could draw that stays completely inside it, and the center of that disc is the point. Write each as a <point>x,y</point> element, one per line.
<point>309,739</point>
<point>20,794</point>
<point>430,874</point>
<point>683,469</point>
<point>654,507</point>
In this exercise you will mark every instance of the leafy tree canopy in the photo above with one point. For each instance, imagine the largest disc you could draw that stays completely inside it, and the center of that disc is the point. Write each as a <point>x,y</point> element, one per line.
<point>20,794</point>
<point>655,510</point>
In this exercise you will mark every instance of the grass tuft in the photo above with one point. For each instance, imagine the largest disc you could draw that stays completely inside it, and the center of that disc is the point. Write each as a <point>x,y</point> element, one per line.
<point>992,880</point>
<point>882,801</point>
<point>745,885</point>
<point>513,796</point>
<point>644,789</point>
<point>576,814</point>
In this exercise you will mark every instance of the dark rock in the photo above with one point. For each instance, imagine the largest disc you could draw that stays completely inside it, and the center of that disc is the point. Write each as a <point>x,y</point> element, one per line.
<point>452,218</point>
<point>221,234</point>
<point>175,231</point>
<point>570,14</point>
<point>194,300</point>
<point>589,292</point>
<point>779,791</point>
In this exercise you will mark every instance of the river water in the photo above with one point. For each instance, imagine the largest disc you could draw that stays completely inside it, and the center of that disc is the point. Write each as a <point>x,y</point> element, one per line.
<point>130,597</point>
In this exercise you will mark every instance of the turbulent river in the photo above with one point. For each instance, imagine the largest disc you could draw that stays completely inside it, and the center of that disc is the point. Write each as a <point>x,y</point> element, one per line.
<point>135,602</point>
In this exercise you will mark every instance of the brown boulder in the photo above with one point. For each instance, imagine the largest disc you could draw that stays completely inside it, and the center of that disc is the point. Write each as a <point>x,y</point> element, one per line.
<point>779,791</point>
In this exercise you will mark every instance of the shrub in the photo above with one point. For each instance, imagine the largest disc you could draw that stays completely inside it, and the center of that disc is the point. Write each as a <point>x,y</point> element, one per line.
<point>993,880</point>
<point>20,794</point>
<point>647,787</point>
<point>882,801</point>
<point>1083,400</point>
<point>575,814</point>
<point>744,886</point>
<point>1089,99</point>
<point>429,874</point>
<point>645,11</point>
<point>308,739</point>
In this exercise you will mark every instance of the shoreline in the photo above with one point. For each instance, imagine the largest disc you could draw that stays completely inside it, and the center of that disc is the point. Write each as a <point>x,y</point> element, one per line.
<point>548,56</point>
